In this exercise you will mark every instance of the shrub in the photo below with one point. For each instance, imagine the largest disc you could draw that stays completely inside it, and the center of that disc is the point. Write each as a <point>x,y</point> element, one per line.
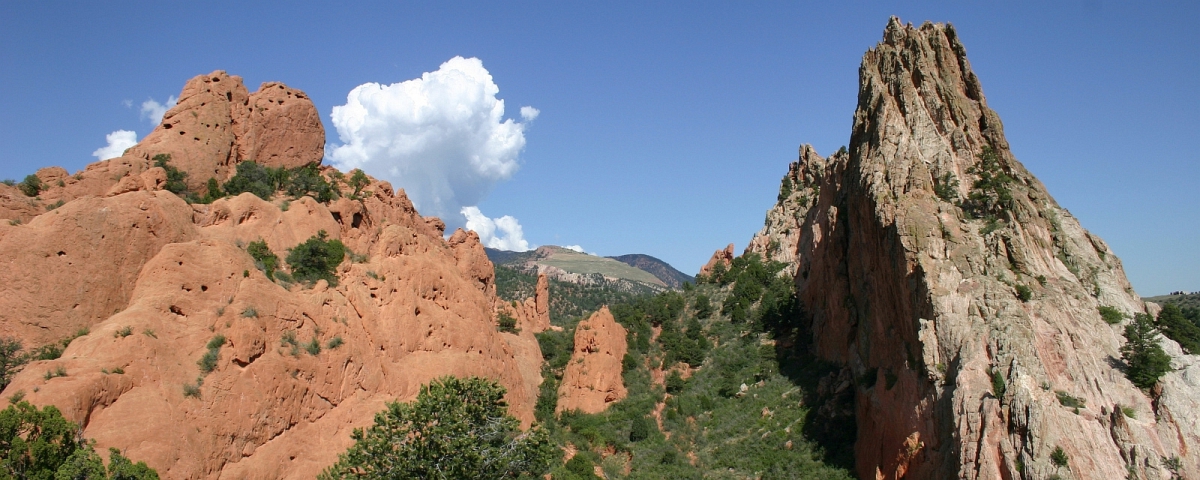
<point>357,181</point>
<point>1058,457</point>
<point>581,466</point>
<point>946,187</point>
<point>249,312</point>
<point>990,193</point>
<point>1070,401</point>
<point>456,428</point>
<point>264,258</point>
<point>1128,411</point>
<point>675,382</point>
<point>641,429</point>
<point>31,186</point>
<point>1175,326</point>
<point>1024,293</point>
<point>313,347</point>
<point>208,362</point>
<point>1110,315</point>
<point>11,360</point>
<point>703,306</point>
<point>1145,358</point>
<point>334,343</point>
<point>175,177</point>
<point>123,332</point>
<point>507,323</point>
<point>191,390</point>
<point>316,259</point>
<point>254,178</point>
<point>10,182</point>
<point>41,444</point>
<point>307,180</point>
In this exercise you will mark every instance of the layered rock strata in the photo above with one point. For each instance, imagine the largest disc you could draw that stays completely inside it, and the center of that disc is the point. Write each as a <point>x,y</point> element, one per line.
<point>592,379</point>
<point>159,284</point>
<point>971,340</point>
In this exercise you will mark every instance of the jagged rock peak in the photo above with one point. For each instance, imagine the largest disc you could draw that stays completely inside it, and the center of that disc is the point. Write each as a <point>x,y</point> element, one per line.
<point>933,290</point>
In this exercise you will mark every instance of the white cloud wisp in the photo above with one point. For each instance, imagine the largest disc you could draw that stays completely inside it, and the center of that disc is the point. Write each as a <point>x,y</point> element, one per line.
<point>502,233</point>
<point>441,137</point>
<point>154,111</point>
<point>118,142</point>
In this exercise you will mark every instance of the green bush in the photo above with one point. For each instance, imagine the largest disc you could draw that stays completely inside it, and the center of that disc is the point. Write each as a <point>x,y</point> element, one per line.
<point>316,259</point>
<point>1145,359</point>
<point>675,382</point>
<point>334,343</point>
<point>702,306</point>
<point>641,429</point>
<point>507,323</point>
<point>254,178</point>
<point>1024,293</point>
<point>991,192</point>
<point>11,360</point>
<point>175,177</point>
<point>1110,315</point>
<point>1070,401</point>
<point>998,385</point>
<point>1175,326</point>
<point>208,362</point>
<point>455,429</point>
<point>1058,457</point>
<point>313,347</point>
<point>357,181</point>
<point>264,258</point>
<point>581,466</point>
<point>31,186</point>
<point>308,181</point>
<point>946,187</point>
<point>41,444</point>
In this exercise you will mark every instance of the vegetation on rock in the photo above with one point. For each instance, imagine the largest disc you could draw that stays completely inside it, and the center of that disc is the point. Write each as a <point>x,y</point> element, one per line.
<point>316,259</point>
<point>456,428</point>
<point>1145,359</point>
<point>41,444</point>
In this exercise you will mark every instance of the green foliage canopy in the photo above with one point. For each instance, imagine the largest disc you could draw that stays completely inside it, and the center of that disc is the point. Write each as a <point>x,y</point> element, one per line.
<point>41,444</point>
<point>1175,326</point>
<point>455,429</point>
<point>1146,360</point>
<point>316,259</point>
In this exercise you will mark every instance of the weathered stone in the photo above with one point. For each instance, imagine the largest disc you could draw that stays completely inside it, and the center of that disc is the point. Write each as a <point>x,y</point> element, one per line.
<point>899,282</point>
<point>592,379</point>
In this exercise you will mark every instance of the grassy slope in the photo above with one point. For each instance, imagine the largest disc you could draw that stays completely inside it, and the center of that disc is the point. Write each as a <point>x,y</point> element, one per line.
<point>709,430</point>
<point>583,263</point>
<point>1190,300</point>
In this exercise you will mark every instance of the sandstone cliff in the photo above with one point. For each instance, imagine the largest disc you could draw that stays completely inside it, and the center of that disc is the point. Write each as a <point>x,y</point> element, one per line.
<point>928,306</point>
<point>593,378</point>
<point>722,257</point>
<point>155,280</point>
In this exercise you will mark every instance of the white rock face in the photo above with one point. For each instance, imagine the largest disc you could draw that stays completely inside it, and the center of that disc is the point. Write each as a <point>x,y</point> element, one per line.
<point>899,283</point>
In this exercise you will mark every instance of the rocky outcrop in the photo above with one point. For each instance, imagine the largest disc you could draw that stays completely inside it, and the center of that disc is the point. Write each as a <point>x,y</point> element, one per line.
<point>969,337</point>
<point>155,280</point>
<point>722,257</point>
<point>592,379</point>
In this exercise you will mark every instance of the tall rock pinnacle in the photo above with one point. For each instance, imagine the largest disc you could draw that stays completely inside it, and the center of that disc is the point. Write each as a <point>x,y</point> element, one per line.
<point>968,314</point>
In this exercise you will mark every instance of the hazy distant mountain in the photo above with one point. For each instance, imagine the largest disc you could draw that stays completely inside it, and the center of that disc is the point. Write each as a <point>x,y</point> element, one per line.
<point>635,272</point>
<point>663,270</point>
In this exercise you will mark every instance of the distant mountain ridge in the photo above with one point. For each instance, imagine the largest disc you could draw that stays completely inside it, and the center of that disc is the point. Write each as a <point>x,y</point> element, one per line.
<point>634,272</point>
<point>663,270</point>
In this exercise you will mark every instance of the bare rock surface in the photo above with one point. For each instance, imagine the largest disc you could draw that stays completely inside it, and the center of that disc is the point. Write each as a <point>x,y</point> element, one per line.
<point>592,379</point>
<point>924,303</point>
<point>723,257</point>
<point>155,280</point>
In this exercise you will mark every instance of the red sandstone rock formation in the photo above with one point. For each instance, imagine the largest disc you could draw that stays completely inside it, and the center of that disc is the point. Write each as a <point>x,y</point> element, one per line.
<point>899,283</point>
<point>593,379</point>
<point>724,257</point>
<point>155,279</point>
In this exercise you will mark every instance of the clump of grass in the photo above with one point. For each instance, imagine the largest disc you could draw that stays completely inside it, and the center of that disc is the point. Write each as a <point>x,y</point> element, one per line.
<point>208,362</point>
<point>192,389</point>
<point>59,371</point>
<point>1128,411</point>
<point>998,385</point>
<point>118,370</point>
<point>1024,293</point>
<point>334,343</point>
<point>507,323</point>
<point>17,397</point>
<point>123,332</point>
<point>250,312</point>
<point>1111,315</point>
<point>149,333</point>
<point>313,347</point>
<point>1070,401</point>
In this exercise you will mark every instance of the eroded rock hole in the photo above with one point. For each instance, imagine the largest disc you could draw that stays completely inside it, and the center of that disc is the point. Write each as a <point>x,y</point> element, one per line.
<point>176,310</point>
<point>229,96</point>
<point>356,220</point>
<point>167,126</point>
<point>337,217</point>
<point>61,253</point>
<point>204,288</point>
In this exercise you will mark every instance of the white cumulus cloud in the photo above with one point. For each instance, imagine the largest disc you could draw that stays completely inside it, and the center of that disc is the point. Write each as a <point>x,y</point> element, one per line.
<point>502,233</point>
<point>441,137</point>
<point>118,141</point>
<point>529,113</point>
<point>576,248</point>
<point>154,111</point>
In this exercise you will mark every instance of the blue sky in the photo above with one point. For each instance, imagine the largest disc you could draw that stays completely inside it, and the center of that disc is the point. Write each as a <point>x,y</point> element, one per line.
<point>663,129</point>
